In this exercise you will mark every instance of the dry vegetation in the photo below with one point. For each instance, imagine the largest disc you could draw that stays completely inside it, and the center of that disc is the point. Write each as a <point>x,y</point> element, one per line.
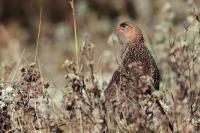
<point>26,105</point>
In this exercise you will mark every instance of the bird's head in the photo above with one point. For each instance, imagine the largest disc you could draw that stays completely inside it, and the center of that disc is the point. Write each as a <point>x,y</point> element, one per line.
<point>128,33</point>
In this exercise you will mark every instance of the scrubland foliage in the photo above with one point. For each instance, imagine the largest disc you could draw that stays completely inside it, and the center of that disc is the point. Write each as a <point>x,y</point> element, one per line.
<point>26,106</point>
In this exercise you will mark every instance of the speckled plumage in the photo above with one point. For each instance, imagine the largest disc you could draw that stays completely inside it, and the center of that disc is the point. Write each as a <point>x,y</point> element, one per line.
<point>136,61</point>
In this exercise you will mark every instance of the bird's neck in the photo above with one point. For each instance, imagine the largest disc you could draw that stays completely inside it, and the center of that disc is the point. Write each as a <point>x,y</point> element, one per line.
<point>136,41</point>
<point>135,45</point>
<point>132,48</point>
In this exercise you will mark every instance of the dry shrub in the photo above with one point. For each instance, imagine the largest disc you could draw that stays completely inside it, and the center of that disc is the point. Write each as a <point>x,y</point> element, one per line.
<point>22,101</point>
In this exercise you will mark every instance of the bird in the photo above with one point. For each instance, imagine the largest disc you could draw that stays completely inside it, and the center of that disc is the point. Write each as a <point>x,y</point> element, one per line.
<point>138,72</point>
<point>136,60</point>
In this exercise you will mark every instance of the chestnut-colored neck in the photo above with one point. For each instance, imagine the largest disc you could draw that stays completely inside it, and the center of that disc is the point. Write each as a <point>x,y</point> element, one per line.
<point>136,41</point>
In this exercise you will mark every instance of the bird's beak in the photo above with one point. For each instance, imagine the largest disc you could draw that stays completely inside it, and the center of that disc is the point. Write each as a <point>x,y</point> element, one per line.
<point>117,29</point>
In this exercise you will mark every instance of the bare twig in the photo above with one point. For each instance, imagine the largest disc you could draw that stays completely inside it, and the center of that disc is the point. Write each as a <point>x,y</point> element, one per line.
<point>170,124</point>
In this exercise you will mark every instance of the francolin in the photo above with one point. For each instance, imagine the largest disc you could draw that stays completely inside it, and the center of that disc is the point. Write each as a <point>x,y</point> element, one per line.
<point>137,64</point>
<point>137,73</point>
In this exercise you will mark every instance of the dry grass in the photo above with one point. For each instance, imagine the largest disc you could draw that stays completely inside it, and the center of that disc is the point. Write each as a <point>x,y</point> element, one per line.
<point>26,106</point>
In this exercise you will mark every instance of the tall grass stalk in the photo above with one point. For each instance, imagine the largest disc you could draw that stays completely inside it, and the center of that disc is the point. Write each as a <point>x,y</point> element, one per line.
<point>75,34</point>
<point>38,36</point>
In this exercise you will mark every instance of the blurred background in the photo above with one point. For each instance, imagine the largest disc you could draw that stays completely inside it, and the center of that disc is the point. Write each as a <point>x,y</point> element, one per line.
<point>96,19</point>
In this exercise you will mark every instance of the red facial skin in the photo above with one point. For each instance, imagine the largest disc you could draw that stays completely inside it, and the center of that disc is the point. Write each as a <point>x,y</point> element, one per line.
<point>117,29</point>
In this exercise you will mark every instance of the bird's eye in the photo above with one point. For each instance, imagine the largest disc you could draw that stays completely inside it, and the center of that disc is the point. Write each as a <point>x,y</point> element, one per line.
<point>123,25</point>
